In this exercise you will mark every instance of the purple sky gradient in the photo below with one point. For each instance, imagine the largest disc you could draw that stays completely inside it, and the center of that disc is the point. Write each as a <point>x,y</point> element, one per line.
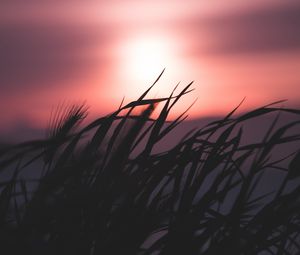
<point>73,51</point>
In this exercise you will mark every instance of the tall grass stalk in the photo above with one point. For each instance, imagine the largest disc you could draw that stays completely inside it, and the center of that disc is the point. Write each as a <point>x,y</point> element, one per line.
<point>102,188</point>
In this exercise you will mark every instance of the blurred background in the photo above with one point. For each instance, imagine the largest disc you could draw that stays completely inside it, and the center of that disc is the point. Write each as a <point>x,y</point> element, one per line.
<point>69,51</point>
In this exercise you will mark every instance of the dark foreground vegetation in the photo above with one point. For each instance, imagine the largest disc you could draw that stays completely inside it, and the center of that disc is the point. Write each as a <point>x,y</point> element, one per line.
<point>102,188</point>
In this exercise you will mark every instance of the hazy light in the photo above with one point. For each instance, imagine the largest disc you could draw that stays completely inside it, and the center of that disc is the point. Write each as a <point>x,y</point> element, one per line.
<point>142,58</point>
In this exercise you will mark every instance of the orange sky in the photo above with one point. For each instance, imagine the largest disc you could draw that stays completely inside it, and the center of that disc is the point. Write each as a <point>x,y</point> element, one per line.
<point>99,51</point>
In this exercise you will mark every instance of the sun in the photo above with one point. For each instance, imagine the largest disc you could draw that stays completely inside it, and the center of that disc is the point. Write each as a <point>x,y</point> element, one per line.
<point>147,57</point>
<point>143,58</point>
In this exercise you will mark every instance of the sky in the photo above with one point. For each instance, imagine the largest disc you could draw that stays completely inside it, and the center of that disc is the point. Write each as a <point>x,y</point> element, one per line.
<point>98,51</point>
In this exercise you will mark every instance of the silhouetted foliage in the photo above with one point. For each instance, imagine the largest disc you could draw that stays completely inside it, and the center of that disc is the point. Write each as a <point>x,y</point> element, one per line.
<point>101,188</point>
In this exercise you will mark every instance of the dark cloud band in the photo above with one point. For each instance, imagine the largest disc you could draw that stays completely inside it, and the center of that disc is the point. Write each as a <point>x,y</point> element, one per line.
<point>264,30</point>
<point>40,55</point>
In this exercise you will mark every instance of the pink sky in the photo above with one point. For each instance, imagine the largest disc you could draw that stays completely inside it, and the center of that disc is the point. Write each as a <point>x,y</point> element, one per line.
<point>99,51</point>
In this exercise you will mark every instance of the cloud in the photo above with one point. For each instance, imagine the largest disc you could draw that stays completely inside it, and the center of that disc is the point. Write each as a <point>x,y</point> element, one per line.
<point>262,30</point>
<point>39,55</point>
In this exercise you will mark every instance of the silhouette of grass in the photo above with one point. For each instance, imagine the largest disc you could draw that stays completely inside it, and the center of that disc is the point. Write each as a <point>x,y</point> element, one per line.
<point>91,195</point>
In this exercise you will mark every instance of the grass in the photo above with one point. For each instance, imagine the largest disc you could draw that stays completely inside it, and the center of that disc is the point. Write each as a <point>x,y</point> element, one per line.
<point>89,190</point>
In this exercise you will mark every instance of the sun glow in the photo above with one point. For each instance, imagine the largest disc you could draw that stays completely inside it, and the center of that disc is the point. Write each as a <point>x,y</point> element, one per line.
<point>147,57</point>
<point>143,59</point>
